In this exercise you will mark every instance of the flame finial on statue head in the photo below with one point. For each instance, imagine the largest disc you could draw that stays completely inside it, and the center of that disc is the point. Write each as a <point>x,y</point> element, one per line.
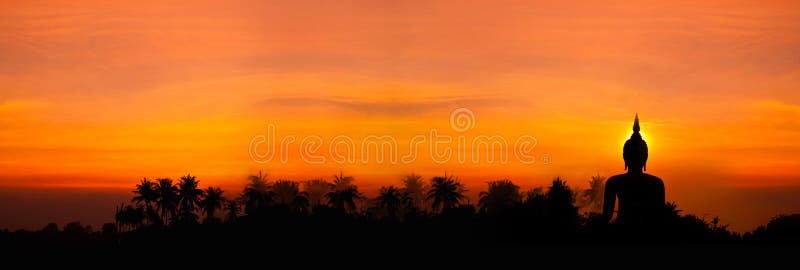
<point>635,150</point>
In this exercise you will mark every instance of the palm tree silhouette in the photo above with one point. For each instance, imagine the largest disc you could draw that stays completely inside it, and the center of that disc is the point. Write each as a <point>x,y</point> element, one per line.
<point>672,209</point>
<point>167,198</point>
<point>344,194</point>
<point>118,218</point>
<point>212,201</point>
<point>535,196</point>
<point>344,199</point>
<point>591,200</point>
<point>128,217</point>
<point>285,192</point>
<point>189,198</point>
<point>342,182</point>
<point>560,193</point>
<point>392,200</point>
<point>416,188</point>
<point>534,203</point>
<point>559,205</point>
<point>502,194</point>
<point>146,194</point>
<point>315,191</point>
<point>232,208</point>
<point>256,194</point>
<point>445,192</point>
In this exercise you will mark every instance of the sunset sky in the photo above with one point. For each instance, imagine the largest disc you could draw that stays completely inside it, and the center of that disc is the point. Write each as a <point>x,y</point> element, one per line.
<point>95,95</point>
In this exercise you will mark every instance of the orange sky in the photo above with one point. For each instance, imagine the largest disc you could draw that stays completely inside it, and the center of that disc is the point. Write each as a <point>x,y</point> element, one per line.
<point>97,95</point>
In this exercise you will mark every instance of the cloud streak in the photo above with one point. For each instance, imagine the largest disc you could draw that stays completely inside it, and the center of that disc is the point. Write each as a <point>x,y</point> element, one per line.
<point>393,108</point>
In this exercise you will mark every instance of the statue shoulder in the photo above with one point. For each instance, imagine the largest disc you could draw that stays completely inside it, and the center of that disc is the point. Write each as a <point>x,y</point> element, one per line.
<point>614,179</point>
<point>654,178</point>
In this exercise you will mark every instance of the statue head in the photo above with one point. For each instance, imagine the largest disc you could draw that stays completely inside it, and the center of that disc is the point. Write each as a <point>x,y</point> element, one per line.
<point>635,150</point>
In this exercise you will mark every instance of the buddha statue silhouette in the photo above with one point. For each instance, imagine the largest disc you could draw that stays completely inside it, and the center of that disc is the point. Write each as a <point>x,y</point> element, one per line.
<point>641,196</point>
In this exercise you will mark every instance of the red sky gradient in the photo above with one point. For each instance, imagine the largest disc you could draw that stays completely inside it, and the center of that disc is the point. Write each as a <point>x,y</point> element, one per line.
<point>95,95</point>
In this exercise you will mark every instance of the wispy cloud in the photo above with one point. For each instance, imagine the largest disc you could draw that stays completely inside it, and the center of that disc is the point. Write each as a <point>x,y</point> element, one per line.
<point>392,108</point>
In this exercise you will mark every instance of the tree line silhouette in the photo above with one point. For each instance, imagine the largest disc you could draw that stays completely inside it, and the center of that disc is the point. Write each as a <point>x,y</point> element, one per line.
<point>416,211</point>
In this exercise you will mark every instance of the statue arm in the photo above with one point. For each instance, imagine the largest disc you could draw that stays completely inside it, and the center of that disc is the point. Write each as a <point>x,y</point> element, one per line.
<point>609,199</point>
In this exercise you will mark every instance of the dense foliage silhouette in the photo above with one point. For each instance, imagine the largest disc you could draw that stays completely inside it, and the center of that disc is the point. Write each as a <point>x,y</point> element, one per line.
<point>280,213</point>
